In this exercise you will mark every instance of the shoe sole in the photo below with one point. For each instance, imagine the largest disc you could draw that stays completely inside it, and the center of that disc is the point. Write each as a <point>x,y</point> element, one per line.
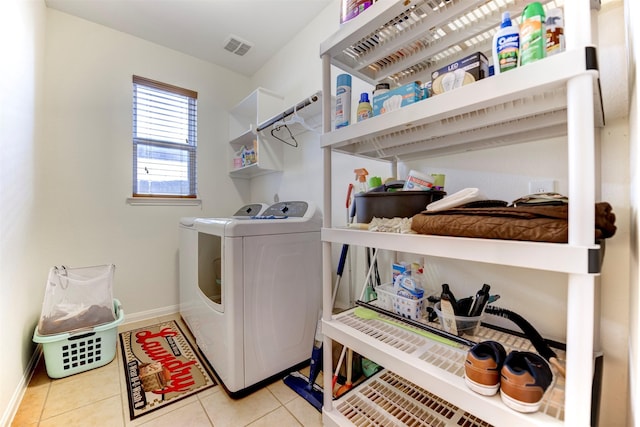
<point>483,389</point>
<point>518,405</point>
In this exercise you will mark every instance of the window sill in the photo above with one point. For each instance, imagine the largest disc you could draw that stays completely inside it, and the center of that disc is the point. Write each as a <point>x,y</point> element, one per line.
<point>159,201</point>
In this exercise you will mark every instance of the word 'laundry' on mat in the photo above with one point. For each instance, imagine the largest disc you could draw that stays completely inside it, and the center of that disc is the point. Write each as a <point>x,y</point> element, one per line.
<point>161,367</point>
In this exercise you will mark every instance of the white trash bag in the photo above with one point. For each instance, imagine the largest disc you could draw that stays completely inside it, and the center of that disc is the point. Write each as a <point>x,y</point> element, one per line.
<point>77,298</point>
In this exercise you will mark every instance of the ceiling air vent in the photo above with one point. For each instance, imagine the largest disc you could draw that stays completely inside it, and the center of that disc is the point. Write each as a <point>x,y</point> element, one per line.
<point>235,44</point>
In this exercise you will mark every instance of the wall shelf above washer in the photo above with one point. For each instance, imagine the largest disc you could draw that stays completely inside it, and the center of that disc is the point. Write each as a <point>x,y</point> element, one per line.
<point>243,119</point>
<point>268,137</point>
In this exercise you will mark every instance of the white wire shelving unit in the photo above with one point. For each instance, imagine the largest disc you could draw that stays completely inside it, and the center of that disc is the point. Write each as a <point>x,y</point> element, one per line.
<point>400,41</point>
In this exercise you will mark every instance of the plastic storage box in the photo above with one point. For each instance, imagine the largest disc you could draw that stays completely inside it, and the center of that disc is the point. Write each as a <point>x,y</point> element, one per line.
<point>393,204</point>
<point>389,300</point>
<point>397,98</point>
<point>78,351</point>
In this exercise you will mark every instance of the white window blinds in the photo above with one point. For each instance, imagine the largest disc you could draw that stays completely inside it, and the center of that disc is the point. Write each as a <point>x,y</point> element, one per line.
<point>164,140</point>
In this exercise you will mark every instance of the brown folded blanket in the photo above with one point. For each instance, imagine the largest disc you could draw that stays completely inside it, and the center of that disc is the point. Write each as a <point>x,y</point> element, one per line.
<point>546,223</point>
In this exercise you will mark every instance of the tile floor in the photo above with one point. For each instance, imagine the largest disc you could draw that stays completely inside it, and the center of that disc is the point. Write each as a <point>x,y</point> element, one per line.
<point>98,398</point>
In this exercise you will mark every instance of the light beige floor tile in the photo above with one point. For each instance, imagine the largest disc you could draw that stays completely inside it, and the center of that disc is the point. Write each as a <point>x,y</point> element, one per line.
<point>280,417</point>
<point>158,413</point>
<point>190,415</point>
<point>224,411</point>
<point>18,423</point>
<point>107,413</point>
<point>208,392</point>
<point>305,412</point>
<point>31,405</point>
<point>282,392</point>
<point>34,397</point>
<point>83,389</point>
<point>39,375</point>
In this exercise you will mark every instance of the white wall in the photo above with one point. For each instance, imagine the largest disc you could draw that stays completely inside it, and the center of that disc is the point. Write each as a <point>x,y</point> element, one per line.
<point>22,30</point>
<point>84,164</point>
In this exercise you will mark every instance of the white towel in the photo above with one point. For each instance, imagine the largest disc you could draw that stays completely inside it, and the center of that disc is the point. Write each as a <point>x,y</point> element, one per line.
<point>460,198</point>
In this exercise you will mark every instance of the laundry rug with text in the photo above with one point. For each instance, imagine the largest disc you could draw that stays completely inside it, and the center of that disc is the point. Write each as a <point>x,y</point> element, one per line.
<point>160,367</point>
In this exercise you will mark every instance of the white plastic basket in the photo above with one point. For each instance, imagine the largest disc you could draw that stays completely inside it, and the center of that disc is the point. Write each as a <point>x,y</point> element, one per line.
<point>389,300</point>
<point>71,353</point>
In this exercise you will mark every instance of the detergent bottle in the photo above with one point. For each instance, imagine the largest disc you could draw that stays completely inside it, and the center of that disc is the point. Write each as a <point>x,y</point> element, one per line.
<point>506,45</point>
<point>364,108</point>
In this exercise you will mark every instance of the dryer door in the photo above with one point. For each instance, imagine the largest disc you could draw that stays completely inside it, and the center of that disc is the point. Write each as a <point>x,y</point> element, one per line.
<point>210,268</point>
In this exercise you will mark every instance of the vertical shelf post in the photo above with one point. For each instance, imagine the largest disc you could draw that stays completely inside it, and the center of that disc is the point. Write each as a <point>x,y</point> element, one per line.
<point>581,168</point>
<point>326,223</point>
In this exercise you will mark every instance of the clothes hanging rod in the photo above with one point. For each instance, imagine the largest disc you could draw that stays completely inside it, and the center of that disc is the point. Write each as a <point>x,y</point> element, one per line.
<point>313,98</point>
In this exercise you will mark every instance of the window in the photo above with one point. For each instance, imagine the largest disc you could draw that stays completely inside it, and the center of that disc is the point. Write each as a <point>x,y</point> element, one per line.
<point>164,140</point>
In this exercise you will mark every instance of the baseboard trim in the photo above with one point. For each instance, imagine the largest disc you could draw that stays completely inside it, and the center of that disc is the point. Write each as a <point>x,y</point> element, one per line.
<point>149,314</point>
<point>12,409</point>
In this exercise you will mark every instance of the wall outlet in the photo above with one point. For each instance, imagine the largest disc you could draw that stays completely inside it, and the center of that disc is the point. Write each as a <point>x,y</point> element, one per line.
<point>542,186</point>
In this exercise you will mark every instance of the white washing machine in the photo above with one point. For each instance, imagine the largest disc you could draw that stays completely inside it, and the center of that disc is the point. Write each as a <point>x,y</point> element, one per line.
<point>250,290</point>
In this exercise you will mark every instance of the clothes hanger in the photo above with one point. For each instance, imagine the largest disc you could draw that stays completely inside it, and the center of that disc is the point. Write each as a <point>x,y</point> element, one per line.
<point>277,127</point>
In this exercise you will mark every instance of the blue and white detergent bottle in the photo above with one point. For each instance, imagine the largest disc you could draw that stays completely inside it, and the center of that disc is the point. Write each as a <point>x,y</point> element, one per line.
<point>506,45</point>
<point>407,287</point>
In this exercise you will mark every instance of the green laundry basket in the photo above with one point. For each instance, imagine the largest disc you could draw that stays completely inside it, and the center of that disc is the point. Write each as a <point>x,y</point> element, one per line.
<point>78,351</point>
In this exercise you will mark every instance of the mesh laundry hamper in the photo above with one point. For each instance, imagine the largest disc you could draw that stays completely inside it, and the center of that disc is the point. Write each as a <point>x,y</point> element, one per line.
<point>77,326</point>
<point>77,298</point>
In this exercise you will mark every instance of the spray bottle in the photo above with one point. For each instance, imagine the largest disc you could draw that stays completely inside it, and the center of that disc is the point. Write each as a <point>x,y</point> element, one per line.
<point>361,178</point>
<point>532,34</point>
<point>554,26</point>
<point>343,101</point>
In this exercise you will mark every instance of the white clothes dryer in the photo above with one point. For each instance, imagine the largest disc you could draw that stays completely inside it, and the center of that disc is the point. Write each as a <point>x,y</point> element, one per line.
<point>250,290</point>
